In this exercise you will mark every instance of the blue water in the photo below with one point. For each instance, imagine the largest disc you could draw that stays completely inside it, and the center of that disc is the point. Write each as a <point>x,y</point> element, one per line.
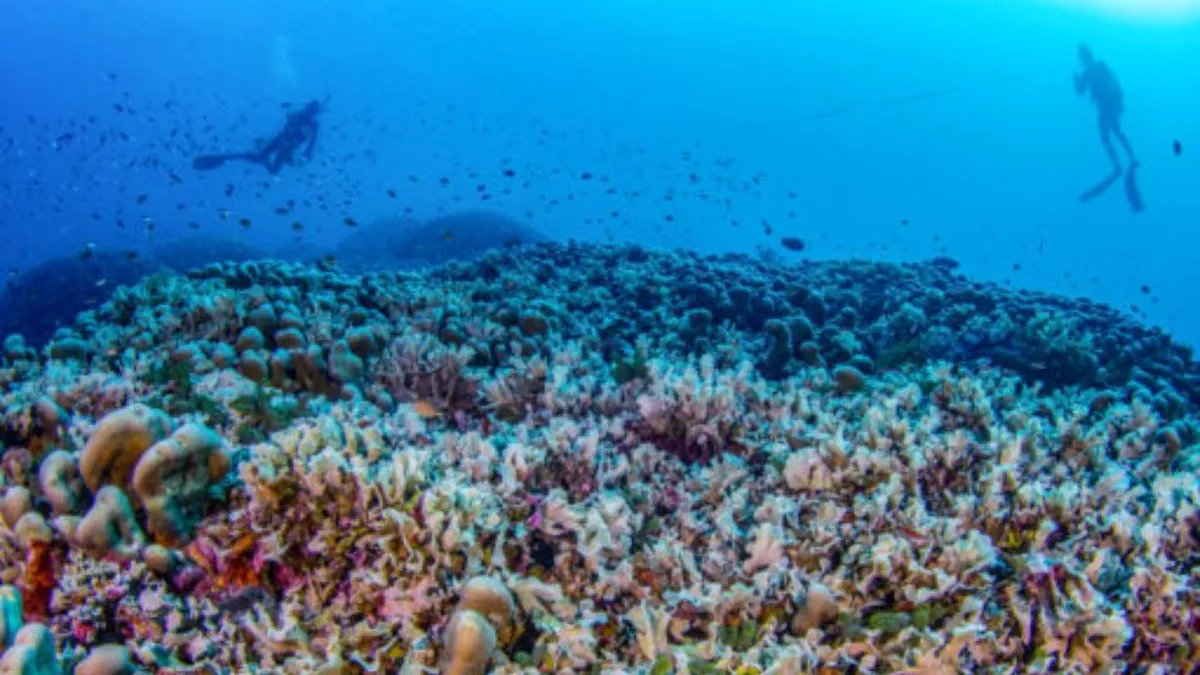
<point>699,123</point>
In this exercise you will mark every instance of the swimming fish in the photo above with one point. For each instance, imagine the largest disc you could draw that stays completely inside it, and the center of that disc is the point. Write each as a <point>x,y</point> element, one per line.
<point>792,243</point>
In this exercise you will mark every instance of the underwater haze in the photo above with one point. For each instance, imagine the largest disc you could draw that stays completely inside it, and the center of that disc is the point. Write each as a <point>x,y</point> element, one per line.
<point>599,336</point>
<point>833,123</point>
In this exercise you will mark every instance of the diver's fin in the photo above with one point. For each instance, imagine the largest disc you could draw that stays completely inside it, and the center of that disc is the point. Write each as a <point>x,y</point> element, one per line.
<point>1101,187</point>
<point>208,162</point>
<point>1132,192</point>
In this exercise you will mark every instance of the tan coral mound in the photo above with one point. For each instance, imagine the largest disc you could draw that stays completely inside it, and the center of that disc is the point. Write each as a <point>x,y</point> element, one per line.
<point>470,639</point>
<point>110,526</point>
<point>172,480</point>
<point>120,439</point>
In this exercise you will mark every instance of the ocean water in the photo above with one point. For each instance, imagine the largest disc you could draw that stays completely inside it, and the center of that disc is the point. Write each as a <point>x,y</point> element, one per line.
<point>762,312</point>
<point>958,118</point>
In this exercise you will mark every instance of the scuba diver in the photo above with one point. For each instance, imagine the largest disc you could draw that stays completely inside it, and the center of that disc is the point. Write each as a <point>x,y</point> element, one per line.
<point>1098,80</point>
<point>300,130</point>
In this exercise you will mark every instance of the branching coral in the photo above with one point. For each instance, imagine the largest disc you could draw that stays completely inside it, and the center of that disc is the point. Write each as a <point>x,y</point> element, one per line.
<point>697,412</point>
<point>420,367</point>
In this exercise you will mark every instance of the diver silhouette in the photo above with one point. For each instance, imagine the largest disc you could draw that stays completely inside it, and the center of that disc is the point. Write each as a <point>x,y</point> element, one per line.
<point>1098,80</point>
<point>301,129</point>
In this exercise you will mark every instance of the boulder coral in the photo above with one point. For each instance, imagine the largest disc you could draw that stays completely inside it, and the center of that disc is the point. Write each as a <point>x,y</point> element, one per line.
<point>491,599</point>
<point>32,653</point>
<point>470,639</point>
<point>17,501</point>
<point>173,478</point>
<point>11,615</point>
<point>61,482</point>
<point>118,442</point>
<point>107,660</point>
<point>110,527</point>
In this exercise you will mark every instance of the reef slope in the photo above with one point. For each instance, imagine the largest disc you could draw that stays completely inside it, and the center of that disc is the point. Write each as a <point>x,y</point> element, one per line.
<point>568,458</point>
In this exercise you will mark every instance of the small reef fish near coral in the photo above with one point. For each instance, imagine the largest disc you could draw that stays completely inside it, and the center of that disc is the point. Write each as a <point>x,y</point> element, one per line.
<point>568,458</point>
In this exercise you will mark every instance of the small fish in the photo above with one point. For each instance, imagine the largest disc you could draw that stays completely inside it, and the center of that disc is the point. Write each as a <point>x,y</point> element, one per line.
<point>426,409</point>
<point>391,193</point>
<point>131,255</point>
<point>792,243</point>
<point>1145,289</point>
<point>328,263</point>
<point>141,199</point>
<point>244,222</point>
<point>1177,146</point>
<point>297,226</point>
<point>350,222</point>
<point>448,236</point>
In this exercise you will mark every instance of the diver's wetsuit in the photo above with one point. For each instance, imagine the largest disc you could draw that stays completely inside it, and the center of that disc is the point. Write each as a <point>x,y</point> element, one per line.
<point>1100,81</point>
<point>301,129</point>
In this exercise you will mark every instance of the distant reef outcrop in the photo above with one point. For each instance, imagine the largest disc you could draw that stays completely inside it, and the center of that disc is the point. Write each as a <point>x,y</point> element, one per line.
<point>392,243</point>
<point>43,298</point>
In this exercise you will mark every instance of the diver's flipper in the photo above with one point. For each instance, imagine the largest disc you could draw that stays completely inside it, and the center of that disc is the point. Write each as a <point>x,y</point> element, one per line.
<point>1132,192</point>
<point>1101,187</point>
<point>208,162</point>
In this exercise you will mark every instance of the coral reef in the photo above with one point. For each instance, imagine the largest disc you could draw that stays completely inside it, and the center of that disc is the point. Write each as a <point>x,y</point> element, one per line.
<point>402,243</point>
<point>566,458</point>
<point>47,297</point>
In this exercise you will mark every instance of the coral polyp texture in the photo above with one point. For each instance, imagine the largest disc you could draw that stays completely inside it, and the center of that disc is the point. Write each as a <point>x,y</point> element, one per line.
<point>579,459</point>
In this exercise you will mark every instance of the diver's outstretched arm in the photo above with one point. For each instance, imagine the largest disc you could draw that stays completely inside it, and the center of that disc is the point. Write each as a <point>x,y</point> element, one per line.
<point>210,162</point>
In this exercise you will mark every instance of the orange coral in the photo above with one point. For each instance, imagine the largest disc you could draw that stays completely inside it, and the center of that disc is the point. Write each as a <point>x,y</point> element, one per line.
<point>39,580</point>
<point>230,569</point>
